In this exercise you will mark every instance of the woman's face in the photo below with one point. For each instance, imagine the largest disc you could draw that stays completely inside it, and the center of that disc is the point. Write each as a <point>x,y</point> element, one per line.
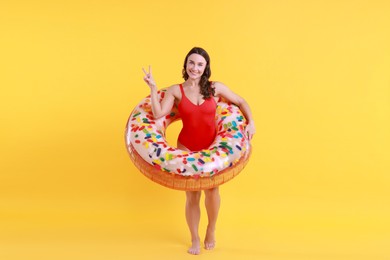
<point>196,65</point>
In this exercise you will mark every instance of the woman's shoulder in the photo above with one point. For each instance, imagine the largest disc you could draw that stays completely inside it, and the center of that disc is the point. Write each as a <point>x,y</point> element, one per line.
<point>174,90</point>
<point>218,86</point>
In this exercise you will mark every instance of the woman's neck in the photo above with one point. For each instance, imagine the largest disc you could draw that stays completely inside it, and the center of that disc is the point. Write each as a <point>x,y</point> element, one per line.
<point>192,82</point>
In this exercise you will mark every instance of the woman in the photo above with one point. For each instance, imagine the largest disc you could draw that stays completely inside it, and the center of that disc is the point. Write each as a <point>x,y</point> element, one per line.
<point>196,101</point>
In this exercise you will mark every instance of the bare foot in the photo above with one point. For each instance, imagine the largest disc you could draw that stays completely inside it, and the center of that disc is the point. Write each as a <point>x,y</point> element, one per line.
<point>195,248</point>
<point>209,241</point>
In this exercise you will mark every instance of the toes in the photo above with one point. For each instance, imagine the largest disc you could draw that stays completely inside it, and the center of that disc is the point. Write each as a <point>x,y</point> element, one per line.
<point>194,252</point>
<point>209,246</point>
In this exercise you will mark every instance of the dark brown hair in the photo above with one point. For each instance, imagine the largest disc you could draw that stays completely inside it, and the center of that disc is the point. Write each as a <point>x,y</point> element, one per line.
<point>205,85</point>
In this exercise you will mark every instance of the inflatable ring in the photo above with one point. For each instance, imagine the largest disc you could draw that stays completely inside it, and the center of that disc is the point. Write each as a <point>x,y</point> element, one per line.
<point>187,170</point>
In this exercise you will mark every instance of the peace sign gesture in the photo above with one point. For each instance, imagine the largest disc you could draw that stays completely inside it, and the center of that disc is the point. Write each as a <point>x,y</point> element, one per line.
<point>149,78</point>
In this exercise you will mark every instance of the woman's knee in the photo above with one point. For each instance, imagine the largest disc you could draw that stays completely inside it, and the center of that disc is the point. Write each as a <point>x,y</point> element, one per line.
<point>212,193</point>
<point>193,197</point>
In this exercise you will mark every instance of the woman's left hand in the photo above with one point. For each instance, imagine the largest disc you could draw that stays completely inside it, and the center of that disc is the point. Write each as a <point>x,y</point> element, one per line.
<point>250,130</point>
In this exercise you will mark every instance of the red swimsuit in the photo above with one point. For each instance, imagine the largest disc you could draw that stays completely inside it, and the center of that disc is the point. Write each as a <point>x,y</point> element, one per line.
<point>199,127</point>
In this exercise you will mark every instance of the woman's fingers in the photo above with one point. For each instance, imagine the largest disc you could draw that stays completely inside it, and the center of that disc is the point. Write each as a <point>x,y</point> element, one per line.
<point>149,73</point>
<point>148,78</point>
<point>250,131</point>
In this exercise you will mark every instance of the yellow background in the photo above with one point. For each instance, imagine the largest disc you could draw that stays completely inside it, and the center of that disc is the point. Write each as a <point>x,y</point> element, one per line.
<point>316,74</point>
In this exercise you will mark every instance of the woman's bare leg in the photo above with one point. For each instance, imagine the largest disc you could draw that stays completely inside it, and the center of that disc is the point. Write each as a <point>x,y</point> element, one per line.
<point>193,218</point>
<point>212,202</point>
<point>192,214</point>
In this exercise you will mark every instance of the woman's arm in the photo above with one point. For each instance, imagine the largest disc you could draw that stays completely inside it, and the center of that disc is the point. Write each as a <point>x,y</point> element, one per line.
<point>163,108</point>
<point>226,93</point>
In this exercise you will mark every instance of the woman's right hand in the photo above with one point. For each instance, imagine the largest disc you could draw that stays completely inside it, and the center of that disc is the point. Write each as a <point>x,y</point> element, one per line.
<point>149,78</point>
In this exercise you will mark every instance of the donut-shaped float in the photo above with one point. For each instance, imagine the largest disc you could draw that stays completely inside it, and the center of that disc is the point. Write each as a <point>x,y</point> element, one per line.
<point>187,170</point>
